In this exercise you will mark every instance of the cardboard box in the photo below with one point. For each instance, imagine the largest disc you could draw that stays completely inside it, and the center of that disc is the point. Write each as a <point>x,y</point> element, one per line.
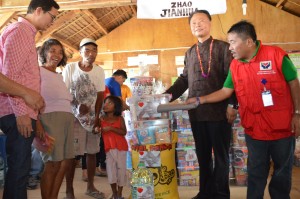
<point>188,178</point>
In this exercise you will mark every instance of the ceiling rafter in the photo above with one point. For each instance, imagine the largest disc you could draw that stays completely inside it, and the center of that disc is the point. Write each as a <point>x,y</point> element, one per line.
<point>95,20</point>
<point>117,18</point>
<point>65,43</point>
<point>133,10</point>
<point>21,5</point>
<point>78,17</point>
<point>290,6</point>
<point>108,13</point>
<point>61,19</point>
<point>6,17</point>
<point>280,4</point>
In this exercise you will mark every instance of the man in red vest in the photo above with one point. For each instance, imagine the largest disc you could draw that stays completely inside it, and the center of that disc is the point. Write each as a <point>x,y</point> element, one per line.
<point>266,85</point>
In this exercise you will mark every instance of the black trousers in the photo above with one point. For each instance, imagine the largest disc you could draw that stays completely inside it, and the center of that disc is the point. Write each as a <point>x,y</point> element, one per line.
<point>100,157</point>
<point>214,179</point>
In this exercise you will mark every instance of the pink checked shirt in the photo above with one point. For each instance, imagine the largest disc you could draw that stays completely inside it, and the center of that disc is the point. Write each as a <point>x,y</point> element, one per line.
<point>18,61</point>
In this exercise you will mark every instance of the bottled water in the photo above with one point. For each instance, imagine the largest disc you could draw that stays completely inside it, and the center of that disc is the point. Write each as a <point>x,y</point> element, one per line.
<point>142,185</point>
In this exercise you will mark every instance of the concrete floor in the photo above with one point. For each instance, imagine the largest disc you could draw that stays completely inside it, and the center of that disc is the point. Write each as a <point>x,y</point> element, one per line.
<point>237,192</point>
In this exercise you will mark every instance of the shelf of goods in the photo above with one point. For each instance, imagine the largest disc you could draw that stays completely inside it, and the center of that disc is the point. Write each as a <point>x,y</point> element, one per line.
<point>239,154</point>
<point>151,141</point>
<point>187,164</point>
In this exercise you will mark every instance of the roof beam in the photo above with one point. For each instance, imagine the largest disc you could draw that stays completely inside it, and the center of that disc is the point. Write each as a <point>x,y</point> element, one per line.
<point>133,10</point>
<point>21,5</point>
<point>95,20</point>
<point>280,4</point>
<point>5,18</point>
<point>58,23</point>
<point>66,44</point>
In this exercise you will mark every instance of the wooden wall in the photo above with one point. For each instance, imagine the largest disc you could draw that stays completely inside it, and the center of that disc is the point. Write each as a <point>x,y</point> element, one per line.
<point>172,37</point>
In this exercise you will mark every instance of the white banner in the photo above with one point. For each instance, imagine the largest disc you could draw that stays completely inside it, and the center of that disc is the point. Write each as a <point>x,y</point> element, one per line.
<point>167,9</point>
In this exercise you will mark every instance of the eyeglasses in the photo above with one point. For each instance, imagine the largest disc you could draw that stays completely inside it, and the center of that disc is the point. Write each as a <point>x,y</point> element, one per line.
<point>52,16</point>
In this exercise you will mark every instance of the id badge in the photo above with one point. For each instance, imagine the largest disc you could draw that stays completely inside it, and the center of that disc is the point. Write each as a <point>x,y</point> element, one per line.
<point>267,98</point>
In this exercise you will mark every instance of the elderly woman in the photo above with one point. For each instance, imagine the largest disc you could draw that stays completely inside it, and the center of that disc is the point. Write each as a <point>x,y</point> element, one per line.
<point>57,119</point>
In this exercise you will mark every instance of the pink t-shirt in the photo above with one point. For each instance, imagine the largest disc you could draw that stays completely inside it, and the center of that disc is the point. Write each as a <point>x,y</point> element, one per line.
<point>55,92</point>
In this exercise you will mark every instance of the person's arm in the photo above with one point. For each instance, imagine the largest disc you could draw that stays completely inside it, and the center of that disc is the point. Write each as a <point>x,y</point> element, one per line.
<point>231,111</point>
<point>228,78</point>
<point>295,90</point>
<point>32,98</point>
<point>124,105</point>
<point>15,56</point>
<point>214,97</point>
<point>181,83</point>
<point>98,107</point>
<point>291,76</point>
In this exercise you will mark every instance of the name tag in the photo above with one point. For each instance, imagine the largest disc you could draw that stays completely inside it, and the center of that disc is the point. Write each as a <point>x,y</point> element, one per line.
<point>267,98</point>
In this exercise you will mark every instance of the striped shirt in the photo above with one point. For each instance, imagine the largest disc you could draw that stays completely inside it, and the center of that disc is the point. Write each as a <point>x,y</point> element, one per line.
<point>18,61</point>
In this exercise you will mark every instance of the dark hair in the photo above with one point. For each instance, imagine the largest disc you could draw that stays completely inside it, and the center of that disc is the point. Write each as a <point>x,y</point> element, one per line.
<point>46,5</point>
<point>120,72</point>
<point>244,29</point>
<point>43,51</point>
<point>118,104</point>
<point>199,11</point>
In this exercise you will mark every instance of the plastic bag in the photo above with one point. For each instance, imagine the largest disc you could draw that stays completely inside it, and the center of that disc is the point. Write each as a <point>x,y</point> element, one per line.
<point>45,145</point>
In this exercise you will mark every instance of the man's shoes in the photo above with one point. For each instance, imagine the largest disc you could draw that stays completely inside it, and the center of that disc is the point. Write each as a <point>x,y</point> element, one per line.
<point>32,183</point>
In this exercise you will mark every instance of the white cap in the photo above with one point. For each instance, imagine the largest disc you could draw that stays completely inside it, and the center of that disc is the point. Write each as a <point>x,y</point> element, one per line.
<point>87,41</point>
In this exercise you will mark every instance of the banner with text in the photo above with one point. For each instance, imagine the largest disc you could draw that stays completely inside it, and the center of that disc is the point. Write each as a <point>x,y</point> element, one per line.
<point>167,9</point>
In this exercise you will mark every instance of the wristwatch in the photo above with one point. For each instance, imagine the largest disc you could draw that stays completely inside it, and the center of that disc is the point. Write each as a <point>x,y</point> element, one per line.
<point>234,106</point>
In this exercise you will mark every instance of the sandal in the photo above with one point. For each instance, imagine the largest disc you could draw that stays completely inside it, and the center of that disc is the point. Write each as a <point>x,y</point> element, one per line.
<point>95,194</point>
<point>100,173</point>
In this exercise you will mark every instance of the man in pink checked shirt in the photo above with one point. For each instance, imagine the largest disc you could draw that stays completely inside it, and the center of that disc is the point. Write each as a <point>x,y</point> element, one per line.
<point>18,62</point>
<point>32,98</point>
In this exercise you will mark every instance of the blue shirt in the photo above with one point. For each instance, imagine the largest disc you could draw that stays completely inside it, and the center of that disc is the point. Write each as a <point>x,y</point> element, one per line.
<point>113,86</point>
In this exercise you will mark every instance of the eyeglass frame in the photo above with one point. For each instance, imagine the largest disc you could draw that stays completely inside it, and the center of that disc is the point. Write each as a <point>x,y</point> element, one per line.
<point>52,16</point>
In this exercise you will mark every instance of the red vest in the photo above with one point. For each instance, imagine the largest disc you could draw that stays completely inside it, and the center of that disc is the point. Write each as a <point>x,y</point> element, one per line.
<point>263,123</point>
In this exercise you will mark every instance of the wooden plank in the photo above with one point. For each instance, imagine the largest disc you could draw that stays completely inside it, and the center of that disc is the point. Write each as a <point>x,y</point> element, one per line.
<point>95,20</point>
<point>66,44</point>
<point>133,10</point>
<point>5,18</point>
<point>57,25</point>
<point>280,4</point>
<point>21,5</point>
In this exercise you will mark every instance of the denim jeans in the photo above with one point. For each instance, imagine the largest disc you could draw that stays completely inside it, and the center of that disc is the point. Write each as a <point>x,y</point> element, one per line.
<point>18,150</point>
<point>37,163</point>
<point>260,153</point>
